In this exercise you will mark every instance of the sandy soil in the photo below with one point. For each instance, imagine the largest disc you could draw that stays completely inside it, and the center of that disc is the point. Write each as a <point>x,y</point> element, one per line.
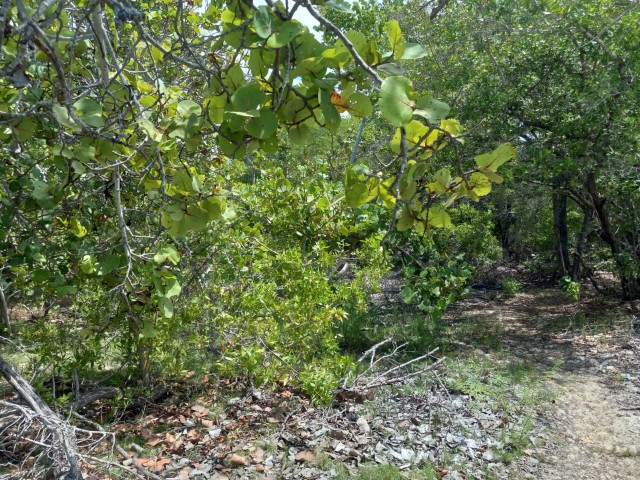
<point>594,431</point>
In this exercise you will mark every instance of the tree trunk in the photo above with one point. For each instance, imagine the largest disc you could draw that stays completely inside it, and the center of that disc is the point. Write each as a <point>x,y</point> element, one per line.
<point>582,242</point>
<point>560,229</point>
<point>628,281</point>
<point>5,323</point>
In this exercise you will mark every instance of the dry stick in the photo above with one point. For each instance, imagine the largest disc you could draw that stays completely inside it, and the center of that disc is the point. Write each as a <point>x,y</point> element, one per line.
<point>372,352</point>
<point>383,357</point>
<point>406,364</point>
<point>58,427</point>
<point>120,450</point>
<point>409,376</point>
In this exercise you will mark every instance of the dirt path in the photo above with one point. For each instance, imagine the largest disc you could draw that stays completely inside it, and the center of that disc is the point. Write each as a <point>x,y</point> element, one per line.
<point>594,433</point>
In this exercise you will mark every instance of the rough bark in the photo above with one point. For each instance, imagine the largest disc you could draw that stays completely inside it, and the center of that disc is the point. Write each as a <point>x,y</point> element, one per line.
<point>560,230</point>
<point>582,242</point>
<point>5,322</point>
<point>628,283</point>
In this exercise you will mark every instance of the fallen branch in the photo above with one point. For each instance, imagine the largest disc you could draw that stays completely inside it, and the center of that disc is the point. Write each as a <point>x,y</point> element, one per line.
<point>144,473</point>
<point>356,389</point>
<point>58,438</point>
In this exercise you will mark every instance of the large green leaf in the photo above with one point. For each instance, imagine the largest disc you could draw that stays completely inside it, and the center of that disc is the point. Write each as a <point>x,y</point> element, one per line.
<point>263,126</point>
<point>215,207</point>
<point>341,5</point>
<point>262,21</point>
<point>502,154</point>
<point>438,217</point>
<point>153,133</point>
<point>63,118</point>
<point>413,51</point>
<point>359,105</point>
<point>394,33</point>
<point>248,97</point>
<point>90,112</point>
<point>397,100</point>
<point>356,186</point>
<point>431,109</point>
<point>167,253</point>
<point>285,32</point>
<point>479,184</point>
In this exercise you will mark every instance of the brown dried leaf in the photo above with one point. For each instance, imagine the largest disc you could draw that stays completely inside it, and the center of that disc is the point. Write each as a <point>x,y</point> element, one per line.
<point>236,460</point>
<point>305,456</point>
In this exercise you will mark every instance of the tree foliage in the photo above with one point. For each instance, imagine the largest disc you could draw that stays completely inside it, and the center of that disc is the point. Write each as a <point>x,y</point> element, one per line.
<point>123,125</point>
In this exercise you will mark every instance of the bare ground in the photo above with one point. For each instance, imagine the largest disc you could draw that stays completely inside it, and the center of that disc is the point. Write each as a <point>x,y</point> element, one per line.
<point>594,431</point>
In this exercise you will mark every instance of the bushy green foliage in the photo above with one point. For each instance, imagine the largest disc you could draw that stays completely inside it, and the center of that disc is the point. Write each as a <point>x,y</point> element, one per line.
<point>437,266</point>
<point>571,287</point>
<point>276,294</point>
<point>511,286</point>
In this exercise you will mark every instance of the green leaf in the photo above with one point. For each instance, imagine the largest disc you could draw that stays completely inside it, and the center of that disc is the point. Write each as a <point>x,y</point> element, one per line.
<point>248,97</point>
<point>393,31</point>
<point>286,32</point>
<point>44,194</point>
<point>396,100</point>
<point>263,126</point>
<point>441,181</point>
<point>90,112</point>
<point>148,127</point>
<point>341,5</point>
<point>215,207</point>
<point>167,253</point>
<point>330,112</point>
<point>148,331</point>
<point>262,21</point>
<point>41,275</point>
<point>108,264</point>
<point>261,61</point>
<point>216,107</point>
<point>87,264</point>
<point>408,184</point>
<point>431,109</point>
<point>166,307</point>
<point>196,218</point>
<point>359,105</point>
<point>299,134</point>
<point>173,288</point>
<point>391,68</point>
<point>63,118</point>
<point>85,153</point>
<point>414,51</point>
<point>479,184</point>
<point>76,228</point>
<point>405,221</point>
<point>407,295</point>
<point>187,107</point>
<point>66,290</point>
<point>438,217</point>
<point>502,154</point>
<point>355,184</point>
<point>25,129</point>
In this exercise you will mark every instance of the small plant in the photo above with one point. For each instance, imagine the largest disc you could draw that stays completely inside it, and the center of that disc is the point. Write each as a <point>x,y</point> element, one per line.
<point>511,286</point>
<point>570,287</point>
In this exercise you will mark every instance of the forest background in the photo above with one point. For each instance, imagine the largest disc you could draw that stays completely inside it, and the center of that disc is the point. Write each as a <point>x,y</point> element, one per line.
<point>207,187</point>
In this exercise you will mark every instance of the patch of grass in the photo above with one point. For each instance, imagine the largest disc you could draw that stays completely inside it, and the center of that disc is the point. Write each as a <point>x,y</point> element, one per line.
<point>481,331</point>
<point>512,389</point>
<point>627,453</point>
<point>389,472</point>
<point>585,322</point>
